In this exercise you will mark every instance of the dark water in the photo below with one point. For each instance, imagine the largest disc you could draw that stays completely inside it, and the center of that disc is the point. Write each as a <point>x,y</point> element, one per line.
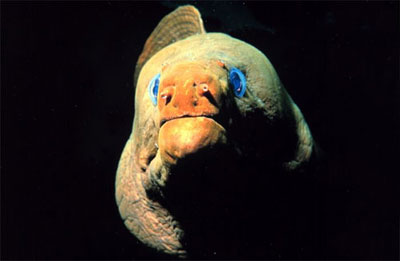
<point>67,109</point>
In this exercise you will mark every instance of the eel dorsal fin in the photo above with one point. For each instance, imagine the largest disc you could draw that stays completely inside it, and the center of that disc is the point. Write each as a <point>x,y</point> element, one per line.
<point>185,21</point>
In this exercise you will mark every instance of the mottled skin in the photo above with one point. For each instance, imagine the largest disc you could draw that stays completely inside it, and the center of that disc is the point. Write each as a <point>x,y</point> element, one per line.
<point>197,111</point>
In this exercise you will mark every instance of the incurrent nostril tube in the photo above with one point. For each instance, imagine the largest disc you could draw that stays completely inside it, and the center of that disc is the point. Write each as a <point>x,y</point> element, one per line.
<point>203,88</point>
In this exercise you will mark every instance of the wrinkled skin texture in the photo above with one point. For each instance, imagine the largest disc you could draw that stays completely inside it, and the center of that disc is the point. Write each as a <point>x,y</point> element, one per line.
<point>202,157</point>
<point>189,95</point>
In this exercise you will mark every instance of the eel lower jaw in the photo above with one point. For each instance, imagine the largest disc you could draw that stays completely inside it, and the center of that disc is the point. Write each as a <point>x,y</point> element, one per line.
<point>181,139</point>
<point>184,136</point>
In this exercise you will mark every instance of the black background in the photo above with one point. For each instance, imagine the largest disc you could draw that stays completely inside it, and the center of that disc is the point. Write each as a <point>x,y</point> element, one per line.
<point>67,109</point>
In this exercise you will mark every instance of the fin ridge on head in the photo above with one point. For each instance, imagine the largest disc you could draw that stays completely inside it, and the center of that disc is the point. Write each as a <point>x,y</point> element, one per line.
<point>185,21</point>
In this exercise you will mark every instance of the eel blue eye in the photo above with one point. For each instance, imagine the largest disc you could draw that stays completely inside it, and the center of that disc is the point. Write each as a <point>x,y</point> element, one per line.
<point>153,88</point>
<point>238,81</point>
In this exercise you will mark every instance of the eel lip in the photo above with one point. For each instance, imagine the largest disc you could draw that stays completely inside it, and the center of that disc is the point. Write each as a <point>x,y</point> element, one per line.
<point>206,115</point>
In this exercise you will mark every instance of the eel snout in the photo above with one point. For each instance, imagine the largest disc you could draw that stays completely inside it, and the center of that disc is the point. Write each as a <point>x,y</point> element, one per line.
<point>190,99</point>
<point>191,89</point>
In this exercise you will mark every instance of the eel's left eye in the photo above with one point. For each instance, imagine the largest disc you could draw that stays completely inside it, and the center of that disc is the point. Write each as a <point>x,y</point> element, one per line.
<point>238,81</point>
<point>153,88</point>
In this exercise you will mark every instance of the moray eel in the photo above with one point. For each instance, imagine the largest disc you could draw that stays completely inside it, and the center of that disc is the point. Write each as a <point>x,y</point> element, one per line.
<point>203,102</point>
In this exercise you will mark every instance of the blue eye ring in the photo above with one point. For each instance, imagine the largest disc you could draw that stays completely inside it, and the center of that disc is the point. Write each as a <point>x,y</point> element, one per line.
<point>238,81</point>
<point>153,89</point>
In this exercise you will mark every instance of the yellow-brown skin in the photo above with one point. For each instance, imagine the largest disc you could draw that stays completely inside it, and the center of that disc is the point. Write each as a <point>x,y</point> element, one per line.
<point>190,94</point>
<point>193,92</point>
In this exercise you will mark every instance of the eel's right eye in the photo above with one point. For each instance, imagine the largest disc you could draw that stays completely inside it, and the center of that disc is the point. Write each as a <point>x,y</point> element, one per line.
<point>153,88</point>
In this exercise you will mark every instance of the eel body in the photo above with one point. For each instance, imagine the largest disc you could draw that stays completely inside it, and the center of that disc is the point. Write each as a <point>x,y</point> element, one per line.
<point>189,119</point>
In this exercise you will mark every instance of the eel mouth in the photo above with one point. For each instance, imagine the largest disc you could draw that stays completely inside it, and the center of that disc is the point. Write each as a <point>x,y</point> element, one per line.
<point>212,116</point>
<point>187,134</point>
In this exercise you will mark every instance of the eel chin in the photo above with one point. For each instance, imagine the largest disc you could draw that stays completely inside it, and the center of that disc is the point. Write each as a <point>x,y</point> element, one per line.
<point>182,137</point>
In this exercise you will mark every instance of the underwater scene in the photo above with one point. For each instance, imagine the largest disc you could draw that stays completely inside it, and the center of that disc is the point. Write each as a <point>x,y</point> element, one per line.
<point>200,130</point>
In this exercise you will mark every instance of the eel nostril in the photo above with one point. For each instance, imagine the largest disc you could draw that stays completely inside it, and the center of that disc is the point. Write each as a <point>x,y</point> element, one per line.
<point>203,89</point>
<point>166,96</point>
